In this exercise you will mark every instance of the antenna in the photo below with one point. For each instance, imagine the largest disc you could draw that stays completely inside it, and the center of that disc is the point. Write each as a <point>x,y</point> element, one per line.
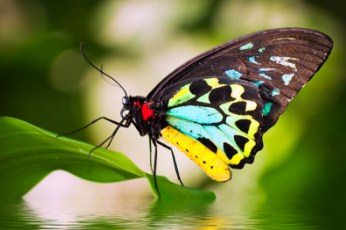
<point>100,70</point>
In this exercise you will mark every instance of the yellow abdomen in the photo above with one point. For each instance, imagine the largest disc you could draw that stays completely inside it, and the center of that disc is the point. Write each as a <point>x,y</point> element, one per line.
<point>211,164</point>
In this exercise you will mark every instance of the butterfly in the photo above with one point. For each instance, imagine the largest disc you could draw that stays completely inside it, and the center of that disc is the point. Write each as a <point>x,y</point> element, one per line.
<point>216,107</point>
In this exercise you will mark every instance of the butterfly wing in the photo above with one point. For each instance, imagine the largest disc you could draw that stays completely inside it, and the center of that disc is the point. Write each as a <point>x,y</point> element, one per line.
<point>220,103</point>
<point>217,123</point>
<point>279,62</point>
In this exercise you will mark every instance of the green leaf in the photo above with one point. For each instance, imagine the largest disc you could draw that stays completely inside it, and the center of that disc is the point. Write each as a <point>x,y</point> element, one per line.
<point>29,153</point>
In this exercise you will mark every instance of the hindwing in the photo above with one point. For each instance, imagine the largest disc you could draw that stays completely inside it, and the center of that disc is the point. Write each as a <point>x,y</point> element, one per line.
<point>223,114</point>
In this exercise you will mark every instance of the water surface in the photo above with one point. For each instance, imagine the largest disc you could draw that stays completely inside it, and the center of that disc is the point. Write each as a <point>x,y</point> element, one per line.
<point>139,213</point>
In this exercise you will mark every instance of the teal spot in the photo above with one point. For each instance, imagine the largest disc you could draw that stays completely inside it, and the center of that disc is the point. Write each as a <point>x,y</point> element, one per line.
<point>252,59</point>
<point>275,92</point>
<point>257,83</point>
<point>287,78</point>
<point>246,46</point>
<point>261,49</point>
<point>232,73</point>
<point>267,108</point>
<point>265,76</point>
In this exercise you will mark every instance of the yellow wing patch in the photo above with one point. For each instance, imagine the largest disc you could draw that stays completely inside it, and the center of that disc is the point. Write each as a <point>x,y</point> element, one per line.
<point>211,164</point>
<point>213,83</point>
<point>182,96</point>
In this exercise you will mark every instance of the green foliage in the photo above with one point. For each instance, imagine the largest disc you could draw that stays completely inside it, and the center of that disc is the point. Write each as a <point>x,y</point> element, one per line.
<point>29,153</point>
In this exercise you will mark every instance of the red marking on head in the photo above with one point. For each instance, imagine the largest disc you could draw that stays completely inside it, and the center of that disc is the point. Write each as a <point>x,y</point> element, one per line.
<point>146,112</point>
<point>138,104</point>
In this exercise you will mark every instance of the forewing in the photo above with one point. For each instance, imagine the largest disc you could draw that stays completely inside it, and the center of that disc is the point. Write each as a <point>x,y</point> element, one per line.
<point>279,62</point>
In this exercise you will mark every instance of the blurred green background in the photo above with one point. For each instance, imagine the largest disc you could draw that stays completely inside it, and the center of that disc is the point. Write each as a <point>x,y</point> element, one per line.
<point>44,80</point>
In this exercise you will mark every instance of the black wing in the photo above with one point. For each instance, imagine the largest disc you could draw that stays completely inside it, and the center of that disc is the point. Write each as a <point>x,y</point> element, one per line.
<point>278,61</point>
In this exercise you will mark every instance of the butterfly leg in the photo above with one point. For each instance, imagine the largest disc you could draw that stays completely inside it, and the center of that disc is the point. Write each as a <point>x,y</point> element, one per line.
<point>155,169</point>
<point>111,137</point>
<point>174,161</point>
<point>125,122</point>
<point>93,122</point>
<point>150,156</point>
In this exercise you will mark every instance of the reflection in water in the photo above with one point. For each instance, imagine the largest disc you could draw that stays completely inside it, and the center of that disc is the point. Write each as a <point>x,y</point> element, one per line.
<point>18,216</point>
<point>141,213</point>
<point>90,213</point>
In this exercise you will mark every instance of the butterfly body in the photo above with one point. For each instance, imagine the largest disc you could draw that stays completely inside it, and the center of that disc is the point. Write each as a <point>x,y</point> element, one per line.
<point>216,107</point>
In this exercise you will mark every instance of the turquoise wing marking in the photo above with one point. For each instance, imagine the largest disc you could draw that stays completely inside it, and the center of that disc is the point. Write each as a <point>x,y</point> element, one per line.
<point>198,114</point>
<point>219,139</point>
<point>230,133</point>
<point>188,128</point>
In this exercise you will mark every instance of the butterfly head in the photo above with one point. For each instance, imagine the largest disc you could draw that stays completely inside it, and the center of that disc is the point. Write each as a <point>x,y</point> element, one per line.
<point>136,110</point>
<point>146,115</point>
<point>125,111</point>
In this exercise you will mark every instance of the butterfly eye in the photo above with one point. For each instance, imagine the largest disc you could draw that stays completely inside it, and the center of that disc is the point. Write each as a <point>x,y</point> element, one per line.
<point>125,101</point>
